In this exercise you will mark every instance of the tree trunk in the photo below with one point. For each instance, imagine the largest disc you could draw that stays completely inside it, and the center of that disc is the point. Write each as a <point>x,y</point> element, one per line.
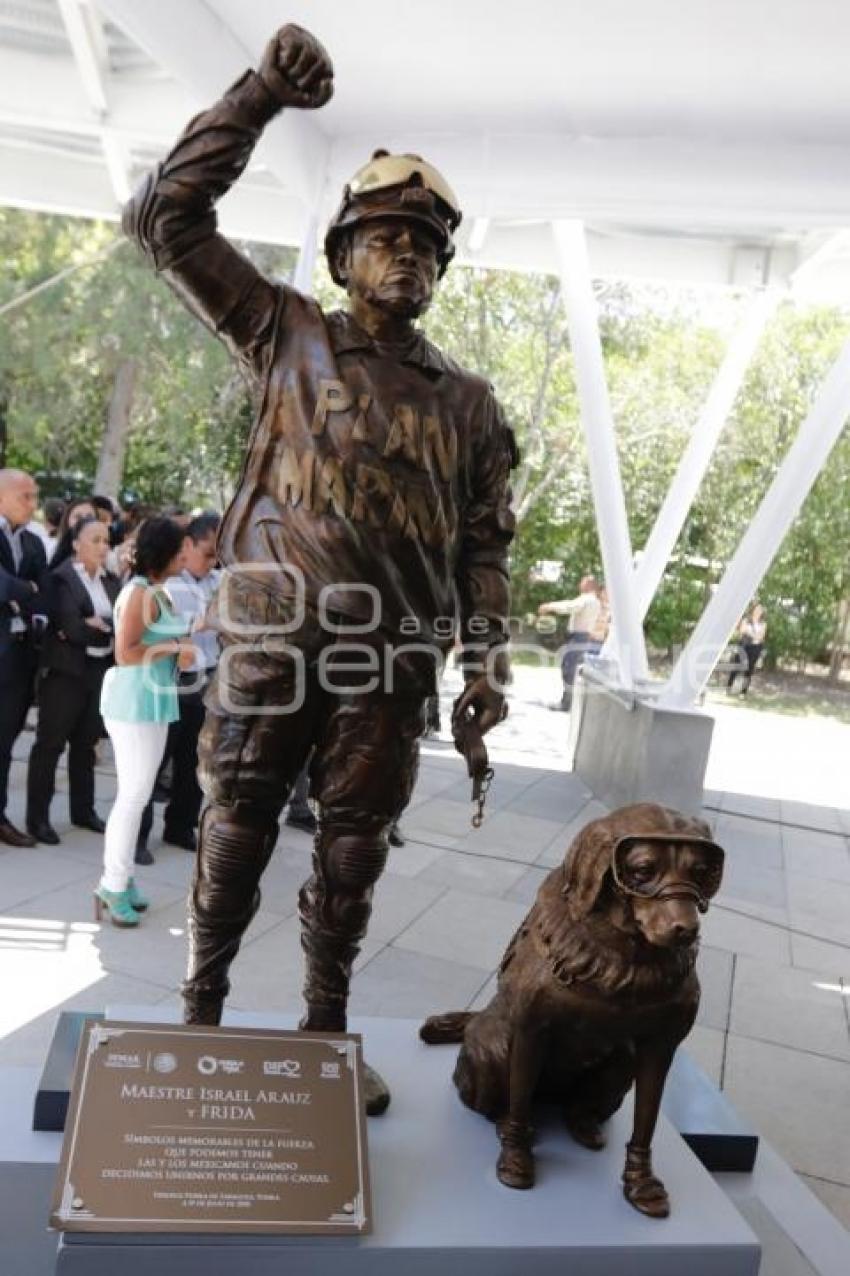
<point>110,465</point>
<point>4,428</point>
<point>839,643</point>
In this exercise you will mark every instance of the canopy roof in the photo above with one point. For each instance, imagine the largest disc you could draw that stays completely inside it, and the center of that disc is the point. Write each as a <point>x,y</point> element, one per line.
<point>704,141</point>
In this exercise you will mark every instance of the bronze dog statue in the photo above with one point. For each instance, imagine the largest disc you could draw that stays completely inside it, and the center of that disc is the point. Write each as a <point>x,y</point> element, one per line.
<point>596,990</point>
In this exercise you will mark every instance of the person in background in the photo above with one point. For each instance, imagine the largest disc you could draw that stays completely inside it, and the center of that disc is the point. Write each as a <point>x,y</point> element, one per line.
<point>76,655</point>
<point>191,591</point>
<point>138,701</point>
<point>24,608</point>
<point>75,510</point>
<point>178,514</point>
<point>599,632</point>
<point>124,538</point>
<point>53,510</point>
<point>45,527</point>
<point>432,716</point>
<point>752,632</point>
<point>583,613</point>
<point>299,814</point>
<point>104,510</point>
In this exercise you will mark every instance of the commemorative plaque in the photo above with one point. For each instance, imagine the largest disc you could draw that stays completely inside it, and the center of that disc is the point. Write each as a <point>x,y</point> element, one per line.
<point>196,1129</point>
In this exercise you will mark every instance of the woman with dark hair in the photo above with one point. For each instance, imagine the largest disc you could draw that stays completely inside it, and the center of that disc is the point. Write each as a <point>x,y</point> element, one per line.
<point>76,655</point>
<point>138,702</point>
<point>75,511</point>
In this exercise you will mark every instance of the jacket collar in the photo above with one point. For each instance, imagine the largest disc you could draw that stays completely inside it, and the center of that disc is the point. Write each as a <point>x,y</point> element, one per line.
<point>7,527</point>
<point>100,574</point>
<point>73,572</point>
<point>347,336</point>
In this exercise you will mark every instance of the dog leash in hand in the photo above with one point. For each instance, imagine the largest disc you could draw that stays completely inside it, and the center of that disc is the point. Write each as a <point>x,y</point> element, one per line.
<point>469,741</point>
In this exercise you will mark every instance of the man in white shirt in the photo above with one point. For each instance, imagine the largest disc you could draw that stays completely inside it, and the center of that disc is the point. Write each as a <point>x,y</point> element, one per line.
<point>583,612</point>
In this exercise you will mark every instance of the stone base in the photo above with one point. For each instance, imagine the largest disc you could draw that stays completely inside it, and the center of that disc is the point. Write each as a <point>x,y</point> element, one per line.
<point>439,1208</point>
<point>628,749</point>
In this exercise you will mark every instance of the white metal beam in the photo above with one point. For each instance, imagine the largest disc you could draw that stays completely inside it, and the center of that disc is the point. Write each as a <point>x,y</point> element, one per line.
<point>117,165</point>
<point>598,424</point>
<point>85,33</point>
<point>146,112</point>
<point>803,462</point>
<point>814,260</point>
<point>191,43</point>
<point>700,448</point>
<point>753,192</point>
<point>56,182</point>
<point>306,264</point>
<point>477,235</point>
<point>87,53</point>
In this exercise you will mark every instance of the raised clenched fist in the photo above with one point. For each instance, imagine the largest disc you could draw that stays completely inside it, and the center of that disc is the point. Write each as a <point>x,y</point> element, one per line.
<point>297,70</point>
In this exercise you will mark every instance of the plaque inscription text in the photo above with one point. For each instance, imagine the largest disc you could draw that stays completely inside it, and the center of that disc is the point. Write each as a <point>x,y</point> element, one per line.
<point>196,1129</point>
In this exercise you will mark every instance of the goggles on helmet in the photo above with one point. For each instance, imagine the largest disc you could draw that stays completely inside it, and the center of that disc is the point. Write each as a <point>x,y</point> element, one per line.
<point>699,881</point>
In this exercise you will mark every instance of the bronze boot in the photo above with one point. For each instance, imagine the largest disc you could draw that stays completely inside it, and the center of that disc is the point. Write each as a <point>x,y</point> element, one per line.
<point>330,1019</point>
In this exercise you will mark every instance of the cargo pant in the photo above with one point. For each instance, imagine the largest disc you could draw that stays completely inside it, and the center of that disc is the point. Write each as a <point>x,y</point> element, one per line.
<point>269,704</point>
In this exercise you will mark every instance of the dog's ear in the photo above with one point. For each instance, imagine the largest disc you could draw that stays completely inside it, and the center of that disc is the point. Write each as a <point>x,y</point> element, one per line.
<point>587,862</point>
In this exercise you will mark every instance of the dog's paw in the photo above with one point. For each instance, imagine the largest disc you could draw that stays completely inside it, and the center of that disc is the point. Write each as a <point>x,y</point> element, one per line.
<point>445,1029</point>
<point>376,1090</point>
<point>515,1166</point>
<point>586,1131</point>
<point>649,1195</point>
<point>640,1186</point>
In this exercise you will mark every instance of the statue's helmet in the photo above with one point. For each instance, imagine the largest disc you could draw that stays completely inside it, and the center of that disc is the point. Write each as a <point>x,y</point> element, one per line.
<point>403,186</point>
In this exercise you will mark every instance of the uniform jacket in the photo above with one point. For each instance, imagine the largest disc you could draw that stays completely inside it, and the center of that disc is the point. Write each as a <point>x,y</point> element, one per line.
<point>69,635</point>
<point>15,587</point>
<point>379,478</point>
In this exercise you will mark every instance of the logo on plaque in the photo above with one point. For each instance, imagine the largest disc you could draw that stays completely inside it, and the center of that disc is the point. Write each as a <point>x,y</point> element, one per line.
<point>195,1129</point>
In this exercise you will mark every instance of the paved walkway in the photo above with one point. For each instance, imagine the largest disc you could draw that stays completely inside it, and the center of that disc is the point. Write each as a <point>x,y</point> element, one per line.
<point>773,1029</point>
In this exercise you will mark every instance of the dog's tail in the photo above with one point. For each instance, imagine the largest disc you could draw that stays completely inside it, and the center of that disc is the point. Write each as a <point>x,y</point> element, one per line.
<point>441,1030</point>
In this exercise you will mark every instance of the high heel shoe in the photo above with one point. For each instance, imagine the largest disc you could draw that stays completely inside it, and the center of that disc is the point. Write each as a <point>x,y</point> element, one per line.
<point>137,899</point>
<point>117,904</point>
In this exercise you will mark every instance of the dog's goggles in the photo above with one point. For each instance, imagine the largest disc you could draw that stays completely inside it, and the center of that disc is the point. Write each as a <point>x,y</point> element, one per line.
<point>668,875</point>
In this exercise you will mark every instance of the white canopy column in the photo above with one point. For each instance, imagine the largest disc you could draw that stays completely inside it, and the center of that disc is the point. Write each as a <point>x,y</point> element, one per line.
<point>302,279</point>
<point>698,453</point>
<point>598,425</point>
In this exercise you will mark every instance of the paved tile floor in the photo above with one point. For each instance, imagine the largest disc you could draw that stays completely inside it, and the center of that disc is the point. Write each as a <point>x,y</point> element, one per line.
<point>774,1024</point>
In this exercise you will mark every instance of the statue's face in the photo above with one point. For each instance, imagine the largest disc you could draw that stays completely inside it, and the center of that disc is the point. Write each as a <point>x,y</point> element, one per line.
<point>392,263</point>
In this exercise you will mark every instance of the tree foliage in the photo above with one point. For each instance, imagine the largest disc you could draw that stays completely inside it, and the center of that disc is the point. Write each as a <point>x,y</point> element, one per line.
<point>59,354</point>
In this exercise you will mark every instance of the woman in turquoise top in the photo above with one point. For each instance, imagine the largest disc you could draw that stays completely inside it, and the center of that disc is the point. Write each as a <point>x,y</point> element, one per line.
<point>138,701</point>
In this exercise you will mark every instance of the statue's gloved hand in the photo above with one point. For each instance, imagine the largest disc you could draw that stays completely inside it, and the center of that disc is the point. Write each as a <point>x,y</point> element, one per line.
<point>484,699</point>
<point>297,70</point>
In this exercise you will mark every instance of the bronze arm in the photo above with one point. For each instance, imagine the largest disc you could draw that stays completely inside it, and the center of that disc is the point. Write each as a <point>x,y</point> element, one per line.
<point>172,219</point>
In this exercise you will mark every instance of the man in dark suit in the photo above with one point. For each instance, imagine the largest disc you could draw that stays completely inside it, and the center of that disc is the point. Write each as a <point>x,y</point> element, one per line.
<point>23,571</point>
<point>75,656</point>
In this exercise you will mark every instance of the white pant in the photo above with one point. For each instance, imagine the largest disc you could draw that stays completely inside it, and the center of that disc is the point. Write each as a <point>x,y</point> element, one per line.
<point>138,749</point>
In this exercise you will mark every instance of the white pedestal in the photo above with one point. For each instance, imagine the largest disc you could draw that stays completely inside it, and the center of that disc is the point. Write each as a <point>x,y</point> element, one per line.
<point>440,1210</point>
<point>628,749</point>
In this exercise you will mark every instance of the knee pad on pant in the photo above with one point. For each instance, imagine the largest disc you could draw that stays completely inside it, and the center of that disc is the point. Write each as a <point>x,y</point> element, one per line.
<point>234,846</point>
<point>337,900</point>
<point>354,861</point>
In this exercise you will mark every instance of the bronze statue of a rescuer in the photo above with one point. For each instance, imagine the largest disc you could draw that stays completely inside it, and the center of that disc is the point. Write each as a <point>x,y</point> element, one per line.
<point>371,520</point>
